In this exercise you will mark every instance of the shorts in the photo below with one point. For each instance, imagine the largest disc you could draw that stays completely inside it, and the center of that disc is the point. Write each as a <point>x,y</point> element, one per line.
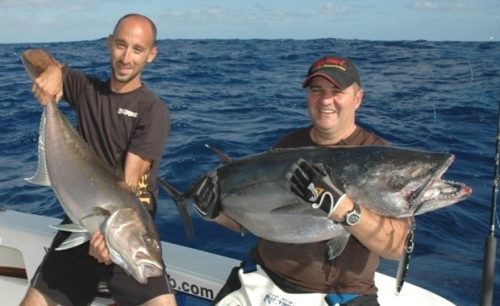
<point>71,277</point>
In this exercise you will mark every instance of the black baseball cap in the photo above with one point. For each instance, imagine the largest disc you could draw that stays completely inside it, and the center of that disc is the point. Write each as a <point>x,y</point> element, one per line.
<point>336,69</point>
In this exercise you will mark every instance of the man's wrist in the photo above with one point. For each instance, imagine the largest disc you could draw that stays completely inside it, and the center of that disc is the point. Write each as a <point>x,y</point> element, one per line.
<point>344,205</point>
<point>335,205</point>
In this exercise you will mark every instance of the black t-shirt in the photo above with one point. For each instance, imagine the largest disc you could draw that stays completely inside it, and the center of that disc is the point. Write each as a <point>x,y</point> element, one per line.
<point>117,123</point>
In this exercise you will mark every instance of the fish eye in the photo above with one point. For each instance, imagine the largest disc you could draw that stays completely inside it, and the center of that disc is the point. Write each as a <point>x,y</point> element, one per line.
<point>147,238</point>
<point>397,182</point>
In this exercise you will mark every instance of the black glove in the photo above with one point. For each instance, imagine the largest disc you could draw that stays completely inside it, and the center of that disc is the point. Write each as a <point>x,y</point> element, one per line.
<point>315,185</point>
<point>206,196</point>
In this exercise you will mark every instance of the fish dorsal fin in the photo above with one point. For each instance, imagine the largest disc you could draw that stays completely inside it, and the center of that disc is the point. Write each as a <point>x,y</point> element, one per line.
<point>41,176</point>
<point>223,156</point>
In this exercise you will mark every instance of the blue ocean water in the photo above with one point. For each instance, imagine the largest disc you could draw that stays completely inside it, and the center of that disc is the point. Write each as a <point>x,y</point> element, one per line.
<point>242,95</point>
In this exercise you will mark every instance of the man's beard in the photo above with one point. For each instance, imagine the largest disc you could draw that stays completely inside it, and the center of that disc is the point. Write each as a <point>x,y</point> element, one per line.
<point>123,78</point>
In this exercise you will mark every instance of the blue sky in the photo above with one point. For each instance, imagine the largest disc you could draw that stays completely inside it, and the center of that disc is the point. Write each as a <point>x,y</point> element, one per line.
<point>74,20</point>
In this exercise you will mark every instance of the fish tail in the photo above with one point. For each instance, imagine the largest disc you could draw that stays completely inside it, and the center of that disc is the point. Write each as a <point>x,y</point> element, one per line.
<point>181,202</point>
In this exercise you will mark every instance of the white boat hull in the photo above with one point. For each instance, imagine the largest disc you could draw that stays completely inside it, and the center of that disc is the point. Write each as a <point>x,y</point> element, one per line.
<point>24,238</point>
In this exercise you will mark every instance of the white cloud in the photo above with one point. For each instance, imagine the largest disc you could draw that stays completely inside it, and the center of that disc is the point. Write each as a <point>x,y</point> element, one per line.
<point>76,8</point>
<point>215,11</point>
<point>450,5</point>
<point>426,5</point>
<point>331,8</point>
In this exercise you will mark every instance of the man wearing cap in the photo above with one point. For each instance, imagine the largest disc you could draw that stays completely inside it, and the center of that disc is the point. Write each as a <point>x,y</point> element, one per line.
<point>334,95</point>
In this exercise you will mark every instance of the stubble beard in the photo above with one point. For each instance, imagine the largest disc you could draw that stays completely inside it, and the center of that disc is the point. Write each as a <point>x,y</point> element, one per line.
<point>124,78</point>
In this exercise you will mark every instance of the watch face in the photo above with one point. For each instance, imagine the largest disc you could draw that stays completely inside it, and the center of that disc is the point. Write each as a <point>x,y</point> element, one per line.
<point>353,218</point>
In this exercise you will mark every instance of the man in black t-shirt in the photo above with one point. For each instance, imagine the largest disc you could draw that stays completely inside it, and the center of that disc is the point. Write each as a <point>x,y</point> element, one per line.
<point>126,125</point>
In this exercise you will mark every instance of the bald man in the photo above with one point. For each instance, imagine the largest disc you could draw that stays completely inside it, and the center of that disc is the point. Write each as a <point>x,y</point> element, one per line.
<point>126,124</point>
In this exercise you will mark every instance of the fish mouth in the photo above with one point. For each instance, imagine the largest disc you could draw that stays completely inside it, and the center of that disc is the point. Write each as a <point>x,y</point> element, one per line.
<point>438,191</point>
<point>141,266</point>
<point>151,270</point>
<point>148,265</point>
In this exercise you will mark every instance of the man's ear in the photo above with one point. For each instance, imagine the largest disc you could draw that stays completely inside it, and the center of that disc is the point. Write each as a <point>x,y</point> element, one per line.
<point>152,54</point>
<point>359,98</point>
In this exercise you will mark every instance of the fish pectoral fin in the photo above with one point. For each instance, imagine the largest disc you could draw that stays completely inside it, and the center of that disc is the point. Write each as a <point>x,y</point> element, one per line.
<point>335,246</point>
<point>70,227</point>
<point>75,239</point>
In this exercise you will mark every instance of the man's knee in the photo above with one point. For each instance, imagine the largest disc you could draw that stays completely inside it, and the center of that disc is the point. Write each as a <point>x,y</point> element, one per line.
<point>34,297</point>
<point>162,300</point>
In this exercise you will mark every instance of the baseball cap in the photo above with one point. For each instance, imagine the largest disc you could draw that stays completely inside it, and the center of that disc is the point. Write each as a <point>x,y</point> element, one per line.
<point>336,69</point>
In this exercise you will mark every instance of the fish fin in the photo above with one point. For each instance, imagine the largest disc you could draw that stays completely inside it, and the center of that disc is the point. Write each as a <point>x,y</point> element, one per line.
<point>41,176</point>
<point>404,263</point>
<point>223,156</point>
<point>75,239</point>
<point>180,203</point>
<point>335,246</point>
<point>70,227</point>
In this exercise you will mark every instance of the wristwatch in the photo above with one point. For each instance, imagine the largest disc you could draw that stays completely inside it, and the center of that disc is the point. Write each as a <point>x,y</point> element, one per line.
<point>352,217</point>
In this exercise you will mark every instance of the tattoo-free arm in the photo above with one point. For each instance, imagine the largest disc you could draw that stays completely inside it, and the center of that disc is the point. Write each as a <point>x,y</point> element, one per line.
<point>382,235</point>
<point>46,74</point>
<point>135,168</point>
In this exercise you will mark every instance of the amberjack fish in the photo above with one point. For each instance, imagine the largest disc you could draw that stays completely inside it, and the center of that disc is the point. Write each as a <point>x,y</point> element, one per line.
<point>92,194</point>
<point>255,191</point>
